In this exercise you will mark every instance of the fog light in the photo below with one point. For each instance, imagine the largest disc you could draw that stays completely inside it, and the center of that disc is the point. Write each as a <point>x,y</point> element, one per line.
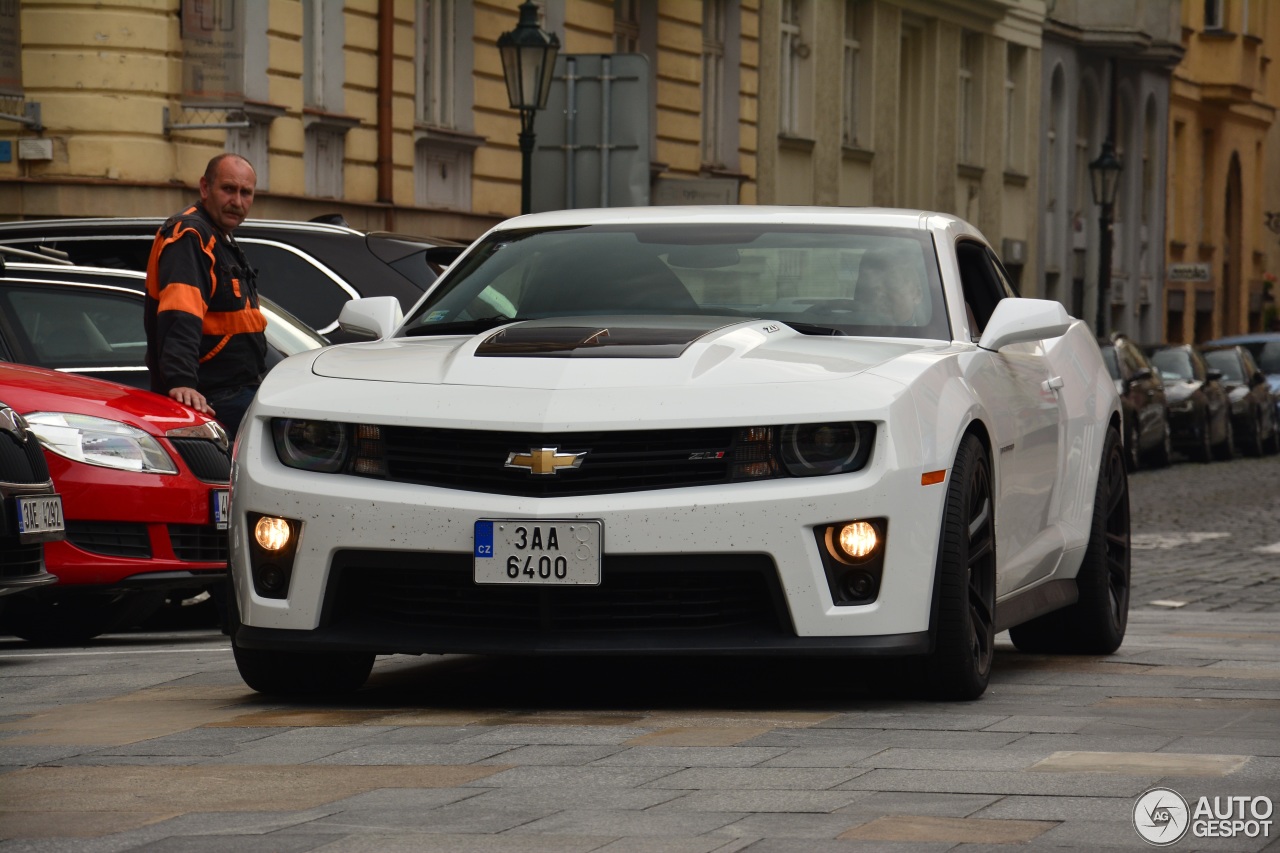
<point>858,585</point>
<point>272,533</point>
<point>271,579</point>
<point>857,540</point>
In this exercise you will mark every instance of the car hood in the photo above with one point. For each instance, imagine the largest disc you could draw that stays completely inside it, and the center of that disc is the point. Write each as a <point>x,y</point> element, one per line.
<point>1177,391</point>
<point>34,389</point>
<point>614,352</point>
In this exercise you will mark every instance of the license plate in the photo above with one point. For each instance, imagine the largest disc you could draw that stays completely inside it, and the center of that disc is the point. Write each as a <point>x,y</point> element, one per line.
<point>536,553</point>
<point>220,500</point>
<point>40,518</point>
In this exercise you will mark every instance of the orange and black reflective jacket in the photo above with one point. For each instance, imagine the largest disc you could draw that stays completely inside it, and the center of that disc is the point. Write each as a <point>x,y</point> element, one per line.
<point>204,329</point>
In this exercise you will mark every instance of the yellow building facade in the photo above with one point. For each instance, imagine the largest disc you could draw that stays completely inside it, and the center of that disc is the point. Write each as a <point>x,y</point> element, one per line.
<point>1223,103</point>
<point>391,113</point>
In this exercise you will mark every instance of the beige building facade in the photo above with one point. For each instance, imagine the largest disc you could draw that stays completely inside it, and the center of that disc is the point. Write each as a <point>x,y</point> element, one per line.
<point>390,113</point>
<point>1222,113</point>
<point>904,103</point>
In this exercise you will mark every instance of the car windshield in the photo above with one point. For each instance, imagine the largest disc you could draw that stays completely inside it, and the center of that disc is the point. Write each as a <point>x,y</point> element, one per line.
<point>1228,362</point>
<point>1267,354</point>
<point>1173,364</point>
<point>830,281</point>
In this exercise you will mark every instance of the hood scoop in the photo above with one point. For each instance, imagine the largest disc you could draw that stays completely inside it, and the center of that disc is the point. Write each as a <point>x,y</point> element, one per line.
<point>609,338</point>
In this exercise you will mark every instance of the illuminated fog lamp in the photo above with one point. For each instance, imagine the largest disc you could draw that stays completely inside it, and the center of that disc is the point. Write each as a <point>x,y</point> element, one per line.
<point>271,533</point>
<point>858,540</point>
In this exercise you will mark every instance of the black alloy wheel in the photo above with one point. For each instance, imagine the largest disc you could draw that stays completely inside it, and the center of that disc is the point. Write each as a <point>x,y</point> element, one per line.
<point>1227,449</point>
<point>964,621</point>
<point>1096,623</point>
<point>1131,447</point>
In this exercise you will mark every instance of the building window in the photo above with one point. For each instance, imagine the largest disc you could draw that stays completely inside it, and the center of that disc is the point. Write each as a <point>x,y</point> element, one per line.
<point>1213,14</point>
<point>325,150</point>
<point>857,82</point>
<point>626,26</point>
<point>713,79</point>
<point>1015,109</point>
<point>251,144</point>
<point>796,70</point>
<point>969,109</point>
<point>437,63</point>
<point>323,66</point>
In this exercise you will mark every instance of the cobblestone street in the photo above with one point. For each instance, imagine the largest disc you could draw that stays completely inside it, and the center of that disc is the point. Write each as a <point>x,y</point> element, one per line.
<point>1207,537</point>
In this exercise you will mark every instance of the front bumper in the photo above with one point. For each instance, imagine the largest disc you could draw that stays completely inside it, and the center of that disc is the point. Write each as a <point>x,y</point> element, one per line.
<point>387,567</point>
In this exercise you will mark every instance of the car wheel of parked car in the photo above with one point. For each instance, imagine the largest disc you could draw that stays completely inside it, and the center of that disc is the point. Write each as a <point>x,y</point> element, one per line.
<point>1252,443</point>
<point>285,673</point>
<point>1203,451</point>
<point>964,640</point>
<point>58,619</point>
<point>1132,454</point>
<point>1163,452</point>
<point>1273,443</point>
<point>1096,623</point>
<point>1227,449</point>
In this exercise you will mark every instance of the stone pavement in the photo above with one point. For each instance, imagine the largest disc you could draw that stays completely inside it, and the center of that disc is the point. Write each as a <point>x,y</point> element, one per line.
<point>151,742</point>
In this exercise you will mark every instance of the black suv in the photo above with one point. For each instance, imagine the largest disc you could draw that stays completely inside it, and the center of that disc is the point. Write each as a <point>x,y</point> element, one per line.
<point>311,269</point>
<point>1199,407</point>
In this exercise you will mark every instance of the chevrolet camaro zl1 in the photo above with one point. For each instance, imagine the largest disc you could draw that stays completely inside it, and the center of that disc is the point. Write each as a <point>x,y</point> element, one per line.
<point>738,430</point>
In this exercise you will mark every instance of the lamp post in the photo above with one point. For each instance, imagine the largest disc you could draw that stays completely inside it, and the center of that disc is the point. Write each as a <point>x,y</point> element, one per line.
<point>1104,181</point>
<point>528,60</point>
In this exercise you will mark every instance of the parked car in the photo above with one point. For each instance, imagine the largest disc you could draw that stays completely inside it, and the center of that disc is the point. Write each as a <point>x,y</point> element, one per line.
<point>89,320</point>
<point>311,269</point>
<point>1198,406</point>
<point>30,510</point>
<point>1254,421</point>
<point>1148,436</point>
<point>144,488</point>
<point>1265,349</point>
<point>706,429</point>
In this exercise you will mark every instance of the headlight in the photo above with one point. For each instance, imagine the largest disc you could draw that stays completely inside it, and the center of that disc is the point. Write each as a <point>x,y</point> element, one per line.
<point>98,441</point>
<point>311,445</point>
<point>208,431</point>
<point>810,450</point>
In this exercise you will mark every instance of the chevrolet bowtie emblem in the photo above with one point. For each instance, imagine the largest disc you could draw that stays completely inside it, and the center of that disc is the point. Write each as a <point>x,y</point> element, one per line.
<point>544,460</point>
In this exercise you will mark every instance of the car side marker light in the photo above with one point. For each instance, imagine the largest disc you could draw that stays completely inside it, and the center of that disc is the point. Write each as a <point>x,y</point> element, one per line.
<point>933,478</point>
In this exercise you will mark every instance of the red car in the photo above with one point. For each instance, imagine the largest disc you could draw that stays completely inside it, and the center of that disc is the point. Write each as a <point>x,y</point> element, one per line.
<point>144,485</point>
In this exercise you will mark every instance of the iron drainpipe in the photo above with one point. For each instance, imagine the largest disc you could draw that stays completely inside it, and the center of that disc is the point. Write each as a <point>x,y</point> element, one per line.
<point>386,132</point>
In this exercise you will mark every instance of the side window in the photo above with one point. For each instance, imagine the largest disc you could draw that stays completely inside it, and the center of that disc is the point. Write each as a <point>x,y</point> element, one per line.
<point>296,284</point>
<point>67,327</point>
<point>124,253</point>
<point>998,270</point>
<point>982,289</point>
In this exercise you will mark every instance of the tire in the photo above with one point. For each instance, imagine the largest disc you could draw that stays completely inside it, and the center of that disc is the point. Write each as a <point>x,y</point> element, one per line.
<point>1203,451</point>
<point>1095,624</point>
<point>1227,449</point>
<point>1161,456</point>
<point>1252,443</point>
<point>1273,443</point>
<point>964,617</point>
<point>278,673</point>
<point>69,619</point>
<point>1132,456</point>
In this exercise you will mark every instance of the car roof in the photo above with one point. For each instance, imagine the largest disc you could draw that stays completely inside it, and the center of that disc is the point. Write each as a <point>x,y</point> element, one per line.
<point>1251,338</point>
<point>150,224</point>
<point>744,214</point>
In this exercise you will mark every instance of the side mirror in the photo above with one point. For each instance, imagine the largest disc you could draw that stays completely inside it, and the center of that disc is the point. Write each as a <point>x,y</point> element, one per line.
<point>377,316</point>
<point>1021,321</point>
<point>1142,374</point>
<point>1258,378</point>
<point>1213,374</point>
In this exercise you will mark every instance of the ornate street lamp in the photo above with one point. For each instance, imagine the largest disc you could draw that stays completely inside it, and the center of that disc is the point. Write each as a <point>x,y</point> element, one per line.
<point>528,60</point>
<point>1104,181</point>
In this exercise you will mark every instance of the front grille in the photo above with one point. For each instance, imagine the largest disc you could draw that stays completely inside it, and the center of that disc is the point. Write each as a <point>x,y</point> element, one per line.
<point>666,593</point>
<point>615,461</point>
<point>206,460</point>
<point>202,543</point>
<point>22,463</point>
<point>20,561</point>
<point>110,538</point>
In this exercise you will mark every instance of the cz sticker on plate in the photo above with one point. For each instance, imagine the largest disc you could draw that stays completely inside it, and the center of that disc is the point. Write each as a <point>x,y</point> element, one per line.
<point>220,502</point>
<point>522,551</point>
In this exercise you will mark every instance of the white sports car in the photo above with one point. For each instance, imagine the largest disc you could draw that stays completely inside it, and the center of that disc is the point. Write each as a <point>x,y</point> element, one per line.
<point>688,430</point>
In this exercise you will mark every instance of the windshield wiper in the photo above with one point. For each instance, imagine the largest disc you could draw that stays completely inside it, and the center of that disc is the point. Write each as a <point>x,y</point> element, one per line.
<point>462,327</point>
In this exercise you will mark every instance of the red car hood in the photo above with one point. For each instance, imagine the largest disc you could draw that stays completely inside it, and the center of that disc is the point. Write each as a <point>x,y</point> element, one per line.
<point>34,389</point>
